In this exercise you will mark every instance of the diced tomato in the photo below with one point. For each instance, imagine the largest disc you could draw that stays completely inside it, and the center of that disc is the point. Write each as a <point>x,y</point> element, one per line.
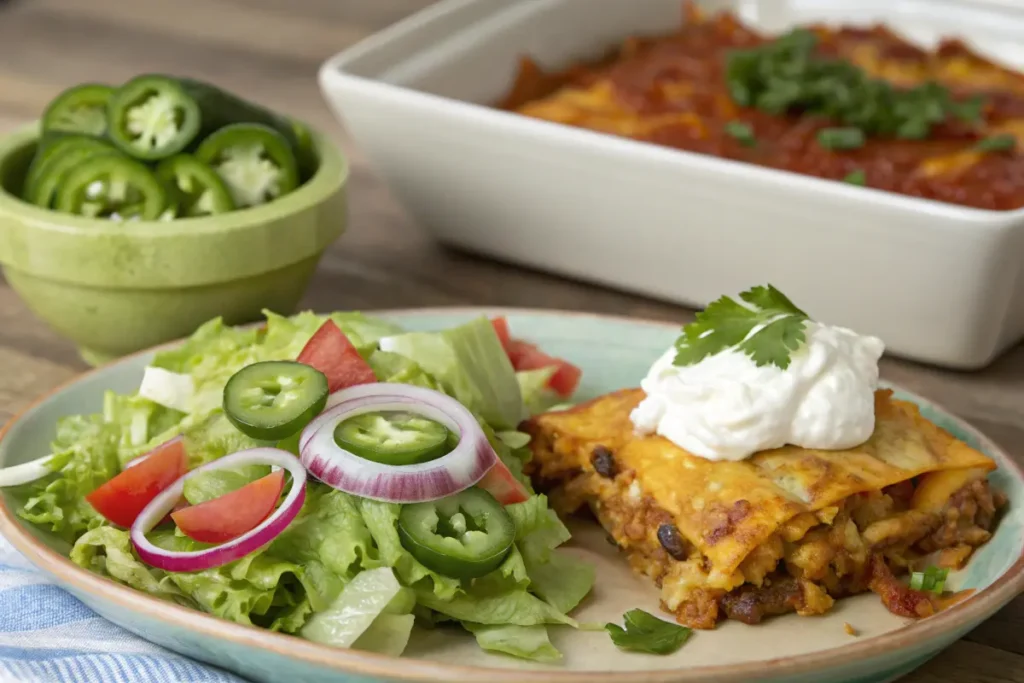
<point>504,334</point>
<point>330,352</point>
<point>122,498</point>
<point>233,514</point>
<point>526,356</point>
<point>500,483</point>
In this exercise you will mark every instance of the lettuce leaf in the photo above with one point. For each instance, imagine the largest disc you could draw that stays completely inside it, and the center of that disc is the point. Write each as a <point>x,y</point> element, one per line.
<point>526,642</point>
<point>382,520</point>
<point>471,365</point>
<point>488,602</point>
<point>329,531</point>
<point>388,634</point>
<point>534,386</point>
<point>108,551</point>
<point>560,579</point>
<point>355,609</point>
<point>86,455</point>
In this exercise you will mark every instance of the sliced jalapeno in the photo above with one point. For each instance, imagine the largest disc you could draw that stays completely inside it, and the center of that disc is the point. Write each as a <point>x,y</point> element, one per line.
<point>255,162</point>
<point>463,536</point>
<point>51,175</point>
<point>198,189</point>
<point>273,400</point>
<point>81,109</point>
<point>53,145</point>
<point>393,437</point>
<point>152,117</point>
<point>103,185</point>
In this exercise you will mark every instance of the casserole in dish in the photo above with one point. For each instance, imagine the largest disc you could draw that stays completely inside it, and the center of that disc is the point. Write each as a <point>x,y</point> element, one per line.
<point>942,283</point>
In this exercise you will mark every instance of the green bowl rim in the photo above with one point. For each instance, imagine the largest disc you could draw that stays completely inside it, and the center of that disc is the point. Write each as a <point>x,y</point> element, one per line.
<point>932,630</point>
<point>332,173</point>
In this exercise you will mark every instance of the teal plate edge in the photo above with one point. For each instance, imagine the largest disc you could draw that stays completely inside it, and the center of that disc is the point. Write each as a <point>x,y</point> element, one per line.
<point>614,352</point>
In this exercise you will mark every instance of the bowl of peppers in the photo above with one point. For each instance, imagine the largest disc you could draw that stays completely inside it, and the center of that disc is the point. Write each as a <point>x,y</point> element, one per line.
<point>130,215</point>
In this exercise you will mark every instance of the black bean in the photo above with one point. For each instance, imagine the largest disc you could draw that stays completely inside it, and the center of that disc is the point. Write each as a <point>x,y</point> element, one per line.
<point>603,461</point>
<point>671,541</point>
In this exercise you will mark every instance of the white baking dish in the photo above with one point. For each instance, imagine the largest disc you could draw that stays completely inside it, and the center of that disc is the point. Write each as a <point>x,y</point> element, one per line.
<point>939,283</point>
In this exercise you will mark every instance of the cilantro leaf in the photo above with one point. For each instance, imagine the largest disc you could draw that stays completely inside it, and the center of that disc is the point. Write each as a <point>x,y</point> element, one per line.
<point>647,633</point>
<point>768,329</point>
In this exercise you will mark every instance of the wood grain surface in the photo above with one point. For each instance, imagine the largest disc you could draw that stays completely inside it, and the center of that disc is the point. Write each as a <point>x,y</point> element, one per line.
<point>269,50</point>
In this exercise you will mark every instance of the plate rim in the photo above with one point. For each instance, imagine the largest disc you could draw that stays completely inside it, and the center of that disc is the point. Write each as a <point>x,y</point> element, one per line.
<point>978,606</point>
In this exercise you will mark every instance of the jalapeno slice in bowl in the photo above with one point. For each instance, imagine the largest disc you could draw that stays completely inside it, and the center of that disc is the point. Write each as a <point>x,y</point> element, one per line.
<point>198,190</point>
<point>255,161</point>
<point>463,536</point>
<point>273,400</point>
<point>151,117</point>
<point>51,147</point>
<point>393,437</point>
<point>80,109</point>
<point>102,185</point>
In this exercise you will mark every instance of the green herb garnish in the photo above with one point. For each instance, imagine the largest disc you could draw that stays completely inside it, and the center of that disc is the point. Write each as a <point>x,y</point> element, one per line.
<point>768,330</point>
<point>932,579</point>
<point>787,76</point>
<point>857,177</point>
<point>647,633</point>
<point>841,138</point>
<point>996,143</point>
<point>742,132</point>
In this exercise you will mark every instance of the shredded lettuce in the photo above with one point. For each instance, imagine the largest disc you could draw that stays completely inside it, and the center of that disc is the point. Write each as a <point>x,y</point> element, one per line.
<point>528,642</point>
<point>355,609</point>
<point>471,365</point>
<point>387,635</point>
<point>534,386</point>
<point>339,573</point>
<point>86,455</point>
<point>382,520</point>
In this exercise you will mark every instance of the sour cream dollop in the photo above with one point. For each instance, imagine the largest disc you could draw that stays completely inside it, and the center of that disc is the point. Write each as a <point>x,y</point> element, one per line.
<point>727,408</point>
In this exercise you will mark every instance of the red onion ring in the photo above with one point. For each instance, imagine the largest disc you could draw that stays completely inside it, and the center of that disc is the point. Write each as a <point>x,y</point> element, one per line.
<point>463,467</point>
<point>261,535</point>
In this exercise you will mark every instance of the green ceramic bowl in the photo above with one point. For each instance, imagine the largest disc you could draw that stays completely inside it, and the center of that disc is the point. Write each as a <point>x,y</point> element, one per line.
<point>115,288</point>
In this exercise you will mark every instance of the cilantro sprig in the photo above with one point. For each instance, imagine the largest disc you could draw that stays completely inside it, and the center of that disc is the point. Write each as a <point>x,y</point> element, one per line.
<point>769,329</point>
<point>647,633</point>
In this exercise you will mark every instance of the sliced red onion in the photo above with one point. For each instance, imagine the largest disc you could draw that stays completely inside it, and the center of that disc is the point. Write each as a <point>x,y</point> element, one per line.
<point>463,467</point>
<point>236,548</point>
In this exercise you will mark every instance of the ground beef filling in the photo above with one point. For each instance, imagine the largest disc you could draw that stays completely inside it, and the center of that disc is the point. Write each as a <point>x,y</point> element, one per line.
<point>849,566</point>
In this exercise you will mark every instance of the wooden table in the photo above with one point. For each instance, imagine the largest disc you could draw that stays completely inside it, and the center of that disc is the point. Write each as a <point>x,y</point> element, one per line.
<point>270,51</point>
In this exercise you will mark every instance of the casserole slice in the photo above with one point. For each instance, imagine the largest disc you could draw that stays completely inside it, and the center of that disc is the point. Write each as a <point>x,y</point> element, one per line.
<point>786,530</point>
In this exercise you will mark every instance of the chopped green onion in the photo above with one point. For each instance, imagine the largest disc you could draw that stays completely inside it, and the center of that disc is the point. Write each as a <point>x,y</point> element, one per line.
<point>932,579</point>
<point>997,143</point>
<point>742,132</point>
<point>841,138</point>
<point>857,177</point>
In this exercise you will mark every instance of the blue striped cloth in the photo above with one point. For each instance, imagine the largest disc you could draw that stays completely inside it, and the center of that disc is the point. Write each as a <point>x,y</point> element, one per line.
<point>49,636</point>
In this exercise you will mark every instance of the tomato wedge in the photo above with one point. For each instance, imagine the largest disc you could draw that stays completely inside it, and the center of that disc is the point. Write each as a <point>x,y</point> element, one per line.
<point>330,352</point>
<point>504,334</point>
<point>122,498</point>
<point>500,483</point>
<point>222,519</point>
<point>526,356</point>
